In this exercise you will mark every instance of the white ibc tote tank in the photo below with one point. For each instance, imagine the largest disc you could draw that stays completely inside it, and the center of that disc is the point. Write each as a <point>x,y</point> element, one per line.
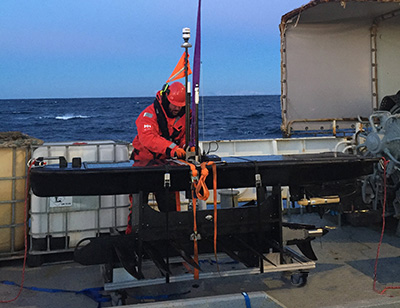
<point>59,223</point>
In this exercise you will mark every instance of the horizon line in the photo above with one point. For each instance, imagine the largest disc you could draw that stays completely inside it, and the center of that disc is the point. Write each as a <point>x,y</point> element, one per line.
<point>101,97</point>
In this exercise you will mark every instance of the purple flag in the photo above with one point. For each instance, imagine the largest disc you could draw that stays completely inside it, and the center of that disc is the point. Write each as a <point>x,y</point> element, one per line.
<point>196,74</point>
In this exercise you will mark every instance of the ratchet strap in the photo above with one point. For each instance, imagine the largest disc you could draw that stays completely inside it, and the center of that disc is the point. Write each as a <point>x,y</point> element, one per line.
<point>200,191</point>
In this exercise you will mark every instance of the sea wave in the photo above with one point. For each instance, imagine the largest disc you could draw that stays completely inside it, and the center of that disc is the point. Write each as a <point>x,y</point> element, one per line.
<point>220,118</point>
<point>71,116</point>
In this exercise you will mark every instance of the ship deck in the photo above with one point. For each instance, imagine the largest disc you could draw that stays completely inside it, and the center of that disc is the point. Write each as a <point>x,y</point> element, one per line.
<point>343,277</point>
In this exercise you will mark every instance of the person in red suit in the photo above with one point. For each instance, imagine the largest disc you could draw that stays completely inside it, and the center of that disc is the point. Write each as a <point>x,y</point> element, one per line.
<point>161,134</point>
<point>161,126</point>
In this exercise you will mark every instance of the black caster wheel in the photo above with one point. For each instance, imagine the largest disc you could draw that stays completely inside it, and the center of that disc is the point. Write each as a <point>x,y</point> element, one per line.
<point>299,279</point>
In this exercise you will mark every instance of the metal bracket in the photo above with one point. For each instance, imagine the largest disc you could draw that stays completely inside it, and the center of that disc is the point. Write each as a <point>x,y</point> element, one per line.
<point>167,180</point>
<point>195,236</point>
<point>40,161</point>
<point>258,180</point>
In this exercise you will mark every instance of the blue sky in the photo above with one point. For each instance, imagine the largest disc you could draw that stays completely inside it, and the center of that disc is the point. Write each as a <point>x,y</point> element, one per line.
<point>128,48</point>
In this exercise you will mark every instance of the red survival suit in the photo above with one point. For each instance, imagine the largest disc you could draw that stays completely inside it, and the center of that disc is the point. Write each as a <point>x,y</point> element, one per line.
<point>158,134</point>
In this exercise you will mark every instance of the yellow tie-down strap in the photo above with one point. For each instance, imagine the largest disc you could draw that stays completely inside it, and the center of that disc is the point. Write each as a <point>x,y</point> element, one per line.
<point>319,200</point>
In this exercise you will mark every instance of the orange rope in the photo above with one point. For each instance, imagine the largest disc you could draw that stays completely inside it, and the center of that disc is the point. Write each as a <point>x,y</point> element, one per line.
<point>201,185</point>
<point>200,190</point>
<point>385,162</point>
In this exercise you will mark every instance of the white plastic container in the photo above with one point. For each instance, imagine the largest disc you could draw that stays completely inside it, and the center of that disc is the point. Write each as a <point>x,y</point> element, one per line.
<point>89,151</point>
<point>59,223</point>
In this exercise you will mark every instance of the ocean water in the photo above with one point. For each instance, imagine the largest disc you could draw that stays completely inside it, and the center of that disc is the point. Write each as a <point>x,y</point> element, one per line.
<point>84,119</point>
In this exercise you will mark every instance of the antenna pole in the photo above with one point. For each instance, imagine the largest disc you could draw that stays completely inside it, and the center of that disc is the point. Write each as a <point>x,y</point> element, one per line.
<point>187,45</point>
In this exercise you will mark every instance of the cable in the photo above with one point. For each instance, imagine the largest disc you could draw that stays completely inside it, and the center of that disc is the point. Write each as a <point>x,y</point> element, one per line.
<point>158,297</point>
<point>93,293</point>
<point>209,147</point>
<point>385,163</point>
<point>194,179</point>
<point>214,169</point>
<point>195,246</point>
<point>246,299</point>
<point>202,187</point>
<point>31,163</point>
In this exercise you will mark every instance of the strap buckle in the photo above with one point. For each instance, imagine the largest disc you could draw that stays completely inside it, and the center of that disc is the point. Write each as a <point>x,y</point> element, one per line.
<point>167,180</point>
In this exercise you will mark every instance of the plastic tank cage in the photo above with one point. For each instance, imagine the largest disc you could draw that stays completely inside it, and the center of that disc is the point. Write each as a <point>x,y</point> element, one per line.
<point>14,155</point>
<point>57,223</point>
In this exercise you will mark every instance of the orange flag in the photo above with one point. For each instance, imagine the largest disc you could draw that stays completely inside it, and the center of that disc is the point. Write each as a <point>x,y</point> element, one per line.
<point>179,70</point>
